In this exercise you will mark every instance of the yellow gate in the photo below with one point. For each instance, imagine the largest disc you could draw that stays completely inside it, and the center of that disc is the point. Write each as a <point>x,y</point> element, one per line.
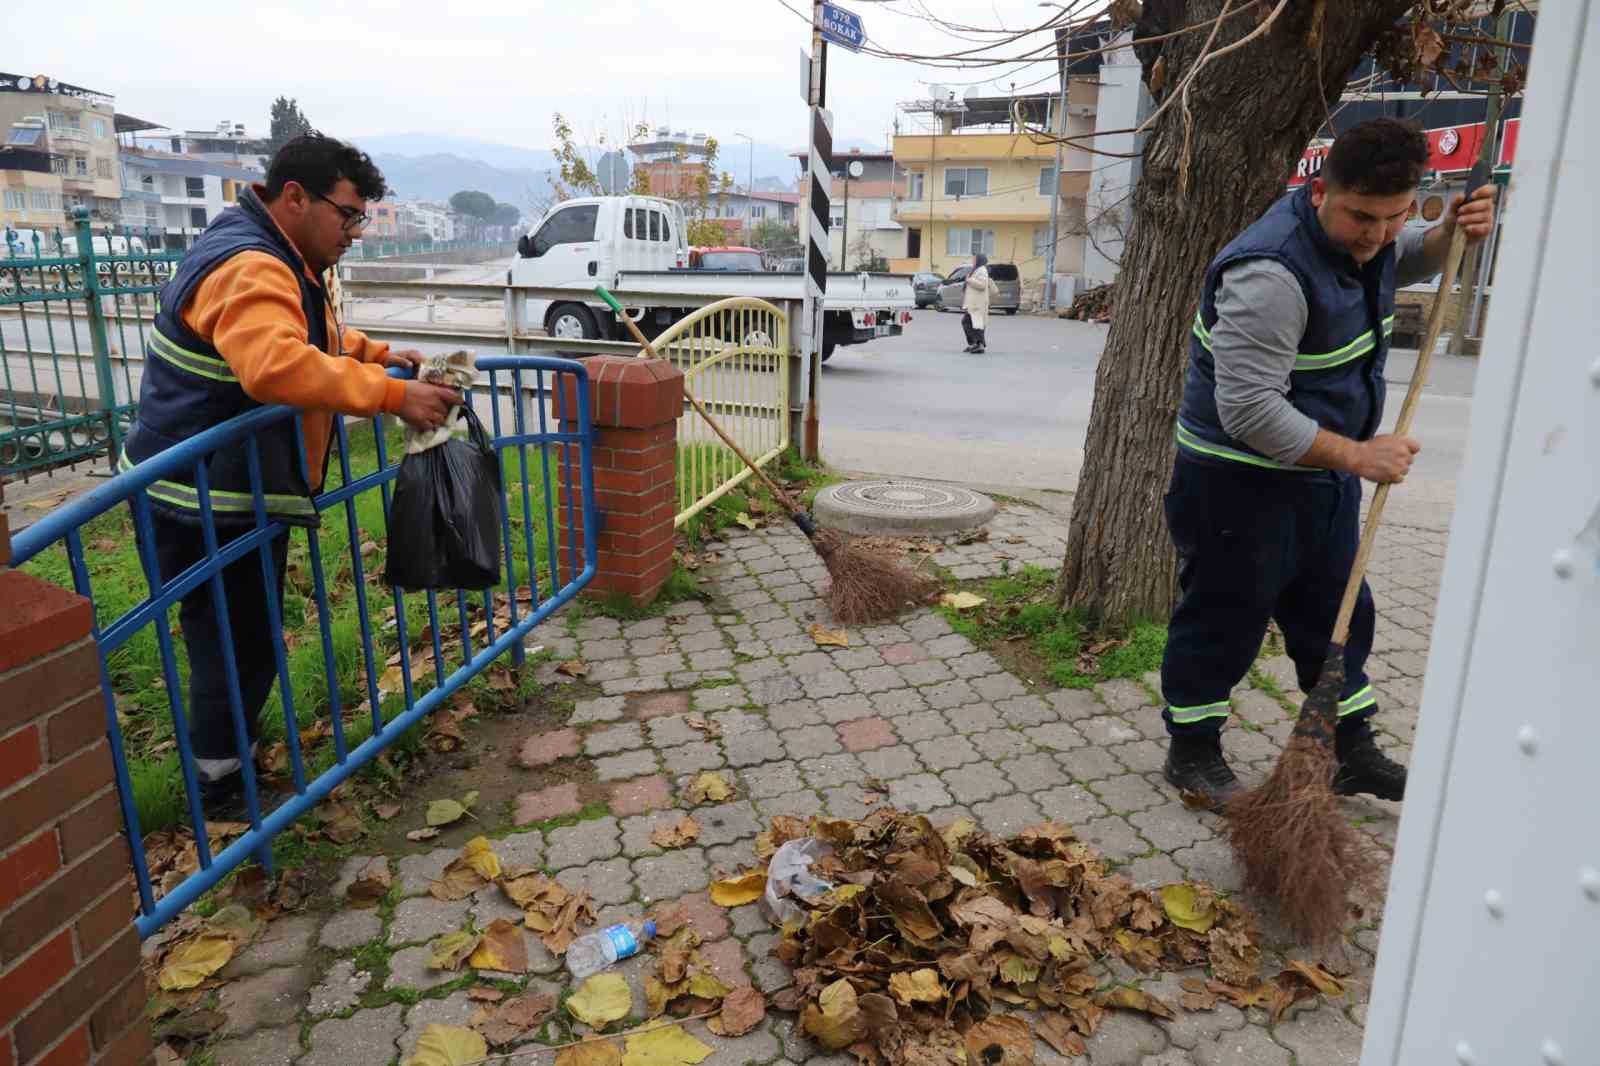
<point>734,357</point>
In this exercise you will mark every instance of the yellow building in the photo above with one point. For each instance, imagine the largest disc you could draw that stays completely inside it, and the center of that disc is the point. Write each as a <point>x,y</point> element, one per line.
<point>76,128</point>
<point>982,185</point>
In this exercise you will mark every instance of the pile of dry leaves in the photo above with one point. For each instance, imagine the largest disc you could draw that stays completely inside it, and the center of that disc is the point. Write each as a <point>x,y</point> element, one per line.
<point>925,933</point>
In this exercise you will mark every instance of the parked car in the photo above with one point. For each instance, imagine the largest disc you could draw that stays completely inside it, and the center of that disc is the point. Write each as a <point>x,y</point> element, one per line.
<point>792,265</point>
<point>926,284</point>
<point>1005,277</point>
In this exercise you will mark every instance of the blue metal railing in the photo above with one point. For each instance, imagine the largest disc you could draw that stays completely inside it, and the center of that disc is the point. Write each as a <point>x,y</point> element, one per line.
<point>535,405</point>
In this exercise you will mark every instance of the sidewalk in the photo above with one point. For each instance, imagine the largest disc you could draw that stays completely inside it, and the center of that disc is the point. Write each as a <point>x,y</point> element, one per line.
<point>937,721</point>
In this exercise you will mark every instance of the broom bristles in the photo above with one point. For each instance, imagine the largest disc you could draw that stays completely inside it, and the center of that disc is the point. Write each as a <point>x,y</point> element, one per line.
<point>1297,850</point>
<point>867,586</point>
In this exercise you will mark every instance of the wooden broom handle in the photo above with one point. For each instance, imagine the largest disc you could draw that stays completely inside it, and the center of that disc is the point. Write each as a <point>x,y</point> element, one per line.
<point>783,497</point>
<point>1419,376</point>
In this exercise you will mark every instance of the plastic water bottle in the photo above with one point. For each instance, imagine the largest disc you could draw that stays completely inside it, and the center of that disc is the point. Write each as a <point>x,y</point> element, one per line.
<point>588,955</point>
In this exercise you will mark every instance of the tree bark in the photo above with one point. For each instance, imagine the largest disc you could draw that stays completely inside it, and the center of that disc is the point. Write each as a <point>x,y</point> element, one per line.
<point>1251,114</point>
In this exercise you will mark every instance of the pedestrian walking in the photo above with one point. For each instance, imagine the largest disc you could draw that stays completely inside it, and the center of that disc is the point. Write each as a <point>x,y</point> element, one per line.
<point>975,295</point>
<point>244,322</point>
<point>1277,428</point>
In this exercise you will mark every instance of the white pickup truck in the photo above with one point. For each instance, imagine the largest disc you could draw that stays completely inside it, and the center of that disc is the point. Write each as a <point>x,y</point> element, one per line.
<point>640,243</point>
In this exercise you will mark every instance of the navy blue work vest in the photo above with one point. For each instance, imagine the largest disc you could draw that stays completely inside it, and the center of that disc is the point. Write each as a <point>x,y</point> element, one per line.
<point>1338,374</point>
<point>188,387</point>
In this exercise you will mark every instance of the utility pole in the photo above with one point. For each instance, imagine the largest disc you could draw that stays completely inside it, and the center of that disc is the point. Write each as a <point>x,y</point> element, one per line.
<point>820,170</point>
<point>844,238</point>
<point>1469,298</point>
<point>749,194</point>
<point>1060,125</point>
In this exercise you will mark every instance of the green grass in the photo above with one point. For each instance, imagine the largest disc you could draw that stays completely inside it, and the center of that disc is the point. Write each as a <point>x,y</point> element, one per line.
<point>724,512</point>
<point>136,670</point>
<point>1021,608</point>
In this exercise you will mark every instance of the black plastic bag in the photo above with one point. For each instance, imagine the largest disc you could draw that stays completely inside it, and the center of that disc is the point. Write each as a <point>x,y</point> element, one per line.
<point>444,521</point>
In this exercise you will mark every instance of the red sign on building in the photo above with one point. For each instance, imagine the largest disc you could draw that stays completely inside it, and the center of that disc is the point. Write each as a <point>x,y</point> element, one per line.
<point>1451,149</point>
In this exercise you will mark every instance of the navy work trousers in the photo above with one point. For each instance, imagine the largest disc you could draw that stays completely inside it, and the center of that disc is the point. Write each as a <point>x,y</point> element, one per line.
<point>1257,545</point>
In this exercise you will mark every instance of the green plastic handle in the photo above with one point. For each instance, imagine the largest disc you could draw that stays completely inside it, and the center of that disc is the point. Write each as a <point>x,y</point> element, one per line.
<point>611,301</point>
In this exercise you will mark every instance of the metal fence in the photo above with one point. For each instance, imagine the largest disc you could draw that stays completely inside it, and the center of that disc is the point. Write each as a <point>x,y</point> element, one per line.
<point>734,357</point>
<point>372,248</point>
<point>73,311</point>
<point>403,663</point>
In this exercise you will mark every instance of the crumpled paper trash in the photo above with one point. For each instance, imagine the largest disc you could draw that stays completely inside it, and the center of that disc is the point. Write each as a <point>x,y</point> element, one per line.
<point>457,370</point>
<point>789,874</point>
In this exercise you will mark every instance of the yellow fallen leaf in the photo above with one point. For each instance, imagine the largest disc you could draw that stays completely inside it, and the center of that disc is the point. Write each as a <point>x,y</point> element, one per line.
<point>918,986</point>
<point>591,1053</point>
<point>1317,977</point>
<point>835,1019</point>
<point>601,1000</point>
<point>193,962</point>
<point>746,521</point>
<point>664,1047</point>
<point>452,949</point>
<point>445,811</point>
<point>481,857</point>
<point>706,986</point>
<point>737,891</point>
<point>828,638</point>
<point>962,601</point>
<point>448,1045</point>
<point>708,787</point>
<point>1188,908</point>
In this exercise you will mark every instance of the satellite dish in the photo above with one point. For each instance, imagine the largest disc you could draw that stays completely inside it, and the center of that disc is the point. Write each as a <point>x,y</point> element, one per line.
<point>856,169</point>
<point>972,95</point>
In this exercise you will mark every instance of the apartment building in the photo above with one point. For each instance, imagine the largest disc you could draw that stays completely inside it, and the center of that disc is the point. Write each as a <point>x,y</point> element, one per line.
<point>176,197</point>
<point>862,226</point>
<point>74,128</point>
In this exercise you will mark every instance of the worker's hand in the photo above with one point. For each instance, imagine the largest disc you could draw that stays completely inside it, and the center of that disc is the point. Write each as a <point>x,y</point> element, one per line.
<point>1385,458</point>
<point>405,357</point>
<point>426,406</point>
<point>1475,214</point>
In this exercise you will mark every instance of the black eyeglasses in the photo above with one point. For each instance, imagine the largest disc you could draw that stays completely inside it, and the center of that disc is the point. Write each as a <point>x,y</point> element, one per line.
<point>353,219</point>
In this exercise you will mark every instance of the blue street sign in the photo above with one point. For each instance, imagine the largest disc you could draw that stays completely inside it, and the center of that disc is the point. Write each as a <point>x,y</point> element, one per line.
<point>843,27</point>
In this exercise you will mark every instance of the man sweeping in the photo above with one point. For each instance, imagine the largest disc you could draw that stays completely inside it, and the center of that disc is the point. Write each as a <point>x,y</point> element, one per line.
<point>1277,427</point>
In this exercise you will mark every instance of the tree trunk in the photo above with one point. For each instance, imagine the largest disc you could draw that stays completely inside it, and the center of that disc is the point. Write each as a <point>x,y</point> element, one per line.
<point>1253,111</point>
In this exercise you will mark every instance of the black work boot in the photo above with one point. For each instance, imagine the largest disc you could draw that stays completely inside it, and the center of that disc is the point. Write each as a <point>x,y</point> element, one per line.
<point>1195,765</point>
<point>1363,767</point>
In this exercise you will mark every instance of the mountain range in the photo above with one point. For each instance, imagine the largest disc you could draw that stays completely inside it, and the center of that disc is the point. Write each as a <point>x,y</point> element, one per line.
<point>433,166</point>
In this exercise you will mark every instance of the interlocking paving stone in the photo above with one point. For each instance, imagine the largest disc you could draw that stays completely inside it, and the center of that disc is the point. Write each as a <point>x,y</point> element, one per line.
<point>976,781</point>
<point>669,876</point>
<point>1007,815</point>
<point>542,749</point>
<point>601,709</point>
<point>1033,773</point>
<point>772,779</point>
<point>264,1047</point>
<point>950,694</point>
<point>623,737</point>
<point>811,741</point>
<point>947,752</point>
<point>759,746</point>
<point>630,764</point>
<point>691,758</point>
<point>350,928</point>
<point>1071,704</point>
<point>721,698</point>
<point>264,1000</point>
<point>864,734</point>
<point>886,764</point>
<point>424,918</point>
<point>845,708</point>
<point>919,792</point>
<point>1025,712</point>
<point>608,882</point>
<point>364,1036</point>
<point>830,771</point>
<point>1128,792</point>
<point>1090,764</point>
<point>581,844</point>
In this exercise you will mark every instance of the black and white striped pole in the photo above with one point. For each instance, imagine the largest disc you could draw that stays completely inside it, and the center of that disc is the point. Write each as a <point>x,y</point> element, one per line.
<point>820,171</point>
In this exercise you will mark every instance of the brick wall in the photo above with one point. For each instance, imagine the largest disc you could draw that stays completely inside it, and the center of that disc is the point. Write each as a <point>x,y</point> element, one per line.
<point>635,405</point>
<point>71,987</point>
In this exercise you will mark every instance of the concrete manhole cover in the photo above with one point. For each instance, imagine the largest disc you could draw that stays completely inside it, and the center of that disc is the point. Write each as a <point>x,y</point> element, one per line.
<point>901,508</point>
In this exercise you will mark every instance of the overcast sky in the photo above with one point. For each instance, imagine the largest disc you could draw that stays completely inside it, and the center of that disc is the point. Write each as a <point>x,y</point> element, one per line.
<point>496,71</point>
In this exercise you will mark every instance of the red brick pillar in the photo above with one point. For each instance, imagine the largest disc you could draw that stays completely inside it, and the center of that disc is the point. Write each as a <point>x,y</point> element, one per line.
<point>71,988</point>
<point>635,405</point>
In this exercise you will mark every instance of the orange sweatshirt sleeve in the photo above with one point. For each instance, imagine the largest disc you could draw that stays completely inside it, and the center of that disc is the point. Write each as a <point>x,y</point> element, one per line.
<point>364,347</point>
<point>249,309</point>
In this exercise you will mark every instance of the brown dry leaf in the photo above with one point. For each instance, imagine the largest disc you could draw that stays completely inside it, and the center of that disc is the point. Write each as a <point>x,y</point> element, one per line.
<point>1257,994</point>
<point>709,787</point>
<point>909,909</point>
<point>1235,958</point>
<point>828,638</point>
<point>573,668</point>
<point>1196,996</point>
<point>835,1019</point>
<point>1000,1040</point>
<point>1317,977</point>
<point>590,1053</point>
<point>742,1010</point>
<point>341,825</point>
<point>1158,76</point>
<point>502,948</point>
<point>962,601</point>
<point>427,833</point>
<point>1057,1031</point>
<point>711,729</point>
<point>515,1018</point>
<point>670,920</point>
<point>917,986</point>
<point>444,734</point>
<point>1137,999</point>
<point>658,994</point>
<point>679,834</point>
<point>448,952</point>
<point>386,811</point>
<point>371,884</point>
<point>484,994</point>
<point>460,880</point>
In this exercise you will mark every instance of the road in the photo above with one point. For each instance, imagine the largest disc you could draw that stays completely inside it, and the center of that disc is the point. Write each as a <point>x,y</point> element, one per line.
<point>1016,417</point>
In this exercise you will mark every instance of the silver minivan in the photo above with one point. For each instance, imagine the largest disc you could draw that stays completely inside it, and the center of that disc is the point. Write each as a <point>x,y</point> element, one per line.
<point>1005,278</point>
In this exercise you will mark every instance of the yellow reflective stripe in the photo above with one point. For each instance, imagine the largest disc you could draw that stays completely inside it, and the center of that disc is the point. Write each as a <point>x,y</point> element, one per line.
<point>1189,441</point>
<point>1199,713</point>
<point>1359,701</point>
<point>188,498</point>
<point>1313,360</point>
<point>193,362</point>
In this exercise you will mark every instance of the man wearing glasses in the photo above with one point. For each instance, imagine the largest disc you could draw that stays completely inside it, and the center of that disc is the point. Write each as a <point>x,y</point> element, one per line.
<point>246,322</point>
